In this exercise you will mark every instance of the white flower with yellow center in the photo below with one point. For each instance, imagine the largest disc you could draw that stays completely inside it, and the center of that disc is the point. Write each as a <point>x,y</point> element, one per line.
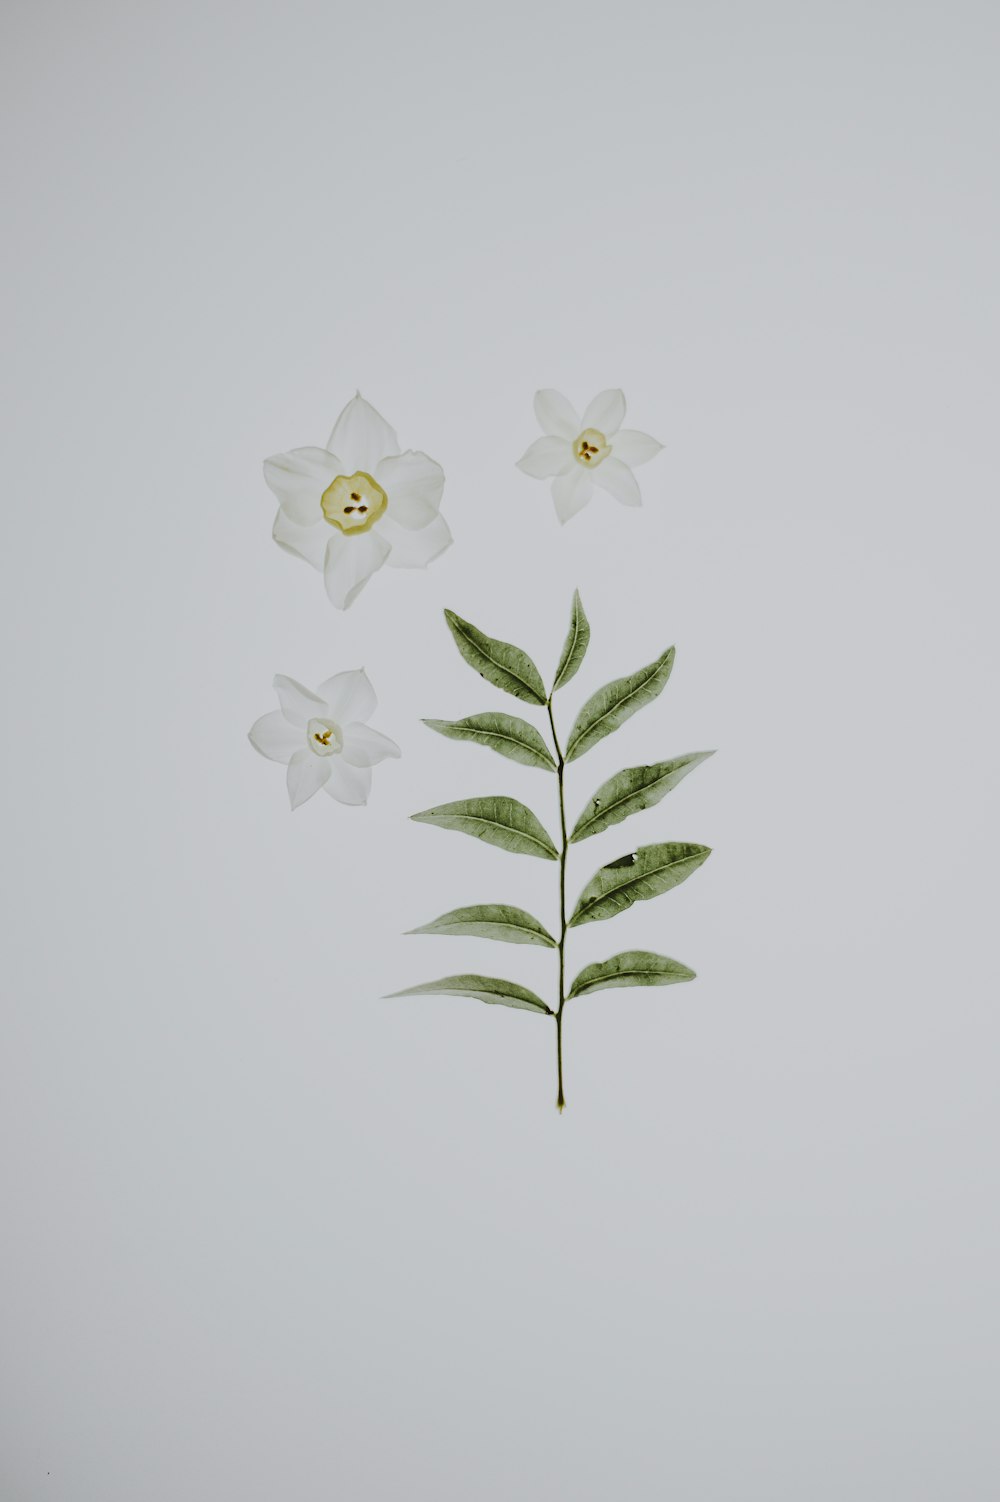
<point>358,503</point>
<point>323,737</point>
<point>578,453</point>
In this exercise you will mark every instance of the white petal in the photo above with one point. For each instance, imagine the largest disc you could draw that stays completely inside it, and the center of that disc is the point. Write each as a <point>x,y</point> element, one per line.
<point>304,542</point>
<point>275,738</point>
<point>415,549</point>
<point>571,492</point>
<point>546,457</point>
<point>555,415</point>
<point>298,704</point>
<point>348,784</point>
<point>618,480</point>
<point>306,775</point>
<point>361,436</point>
<point>606,413</point>
<point>350,563</point>
<point>633,447</point>
<point>413,484</point>
<point>350,696</point>
<point>299,479</point>
<point>365,747</point>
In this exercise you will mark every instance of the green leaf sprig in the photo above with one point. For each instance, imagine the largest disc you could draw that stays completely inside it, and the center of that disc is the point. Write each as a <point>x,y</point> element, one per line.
<point>507,823</point>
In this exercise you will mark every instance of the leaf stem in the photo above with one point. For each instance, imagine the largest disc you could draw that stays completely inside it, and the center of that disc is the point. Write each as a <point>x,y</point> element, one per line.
<point>560,1098</point>
<point>560,770</point>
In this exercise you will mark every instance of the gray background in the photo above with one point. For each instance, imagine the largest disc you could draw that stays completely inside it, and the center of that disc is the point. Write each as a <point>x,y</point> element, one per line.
<point>267,1235</point>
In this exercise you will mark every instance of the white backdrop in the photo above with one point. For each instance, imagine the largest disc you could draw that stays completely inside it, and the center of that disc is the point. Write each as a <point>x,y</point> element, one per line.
<point>266,1234</point>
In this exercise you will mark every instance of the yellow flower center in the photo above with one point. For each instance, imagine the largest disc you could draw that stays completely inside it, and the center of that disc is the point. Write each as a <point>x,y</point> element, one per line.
<point>324,737</point>
<point>590,448</point>
<point>354,503</point>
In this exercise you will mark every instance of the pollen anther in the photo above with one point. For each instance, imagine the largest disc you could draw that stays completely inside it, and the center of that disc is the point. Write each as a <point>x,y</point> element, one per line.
<point>591,447</point>
<point>353,503</point>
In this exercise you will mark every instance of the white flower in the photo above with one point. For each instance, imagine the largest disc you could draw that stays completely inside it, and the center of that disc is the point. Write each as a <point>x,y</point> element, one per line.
<point>322,738</point>
<point>358,503</point>
<point>578,453</point>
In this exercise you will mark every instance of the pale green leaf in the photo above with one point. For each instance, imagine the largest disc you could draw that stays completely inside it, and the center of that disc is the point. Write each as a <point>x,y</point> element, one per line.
<point>500,663</point>
<point>635,967</point>
<point>613,704</point>
<point>631,791</point>
<point>645,873</point>
<point>498,821</point>
<point>491,920</point>
<point>488,988</point>
<point>506,733</point>
<point>575,646</point>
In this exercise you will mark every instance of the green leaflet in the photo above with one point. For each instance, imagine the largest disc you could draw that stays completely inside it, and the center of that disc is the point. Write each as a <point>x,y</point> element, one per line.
<point>645,873</point>
<point>575,646</point>
<point>502,664</point>
<point>498,821</point>
<point>613,704</point>
<point>631,791</point>
<point>506,733</point>
<point>635,967</point>
<point>488,988</point>
<point>491,920</point>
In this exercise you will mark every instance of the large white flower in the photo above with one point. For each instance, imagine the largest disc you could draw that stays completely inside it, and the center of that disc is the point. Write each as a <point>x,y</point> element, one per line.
<point>323,738</point>
<point>578,453</point>
<point>358,503</point>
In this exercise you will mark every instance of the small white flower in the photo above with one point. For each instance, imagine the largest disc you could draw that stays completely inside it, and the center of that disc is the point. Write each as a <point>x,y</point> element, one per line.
<point>578,453</point>
<point>323,738</point>
<point>358,503</point>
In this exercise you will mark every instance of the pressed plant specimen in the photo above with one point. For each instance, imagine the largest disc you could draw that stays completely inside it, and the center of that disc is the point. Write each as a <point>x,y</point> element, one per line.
<point>643,873</point>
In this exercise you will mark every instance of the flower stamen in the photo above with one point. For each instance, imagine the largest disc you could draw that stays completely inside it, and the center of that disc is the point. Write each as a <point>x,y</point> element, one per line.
<point>591,447</point>
<point>324,737</point>
<point>354,503</point>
